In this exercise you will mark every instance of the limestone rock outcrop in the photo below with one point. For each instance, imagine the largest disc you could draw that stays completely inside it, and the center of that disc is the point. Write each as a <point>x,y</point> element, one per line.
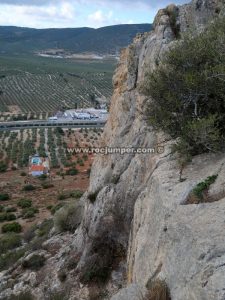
<point>182,244</point>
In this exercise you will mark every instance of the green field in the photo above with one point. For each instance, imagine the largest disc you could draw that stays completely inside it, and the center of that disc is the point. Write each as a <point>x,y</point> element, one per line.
<point>33,84</point>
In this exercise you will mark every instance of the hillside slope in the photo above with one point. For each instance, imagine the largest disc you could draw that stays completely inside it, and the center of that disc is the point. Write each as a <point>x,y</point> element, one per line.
<point>105,40</point>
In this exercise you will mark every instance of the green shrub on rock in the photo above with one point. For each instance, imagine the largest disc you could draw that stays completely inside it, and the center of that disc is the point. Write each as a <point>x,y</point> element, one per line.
<point>12,227</point>
<point>29,212</point>
<point>69,217</point>
<point>9,241</point>
<point>29,187</point>
<point>35,262</point>
<point>4,197</point>
<point>24,203</point>
<point>9,258</point>
<point>188,92</point>
<point>22,296</point>
<point>55,208</point>
<point>7,217</point>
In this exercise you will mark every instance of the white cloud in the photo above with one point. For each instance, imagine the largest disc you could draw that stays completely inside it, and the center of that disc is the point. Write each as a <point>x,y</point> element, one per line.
<point>67,10</point>
<point>99,19</point>
<point>150,3</point>
<point>34,16</point>
<point>78,13</point>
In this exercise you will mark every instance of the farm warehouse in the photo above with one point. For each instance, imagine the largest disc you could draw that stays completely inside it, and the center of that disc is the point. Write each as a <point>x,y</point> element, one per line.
<point>38,165</point>
<point>86,113</point>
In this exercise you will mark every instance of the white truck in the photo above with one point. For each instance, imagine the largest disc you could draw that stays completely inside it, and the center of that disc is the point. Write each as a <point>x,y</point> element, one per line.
<point>52,119</point>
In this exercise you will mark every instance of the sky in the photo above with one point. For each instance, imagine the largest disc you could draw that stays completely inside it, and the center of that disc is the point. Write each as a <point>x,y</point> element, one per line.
<point>79,13</point>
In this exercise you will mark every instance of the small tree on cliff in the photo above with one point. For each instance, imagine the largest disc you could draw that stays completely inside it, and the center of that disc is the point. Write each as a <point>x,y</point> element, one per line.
<point>188,92</point>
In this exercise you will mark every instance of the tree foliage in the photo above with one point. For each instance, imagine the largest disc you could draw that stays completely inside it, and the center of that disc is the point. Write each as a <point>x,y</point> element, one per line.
<point>188,92</point>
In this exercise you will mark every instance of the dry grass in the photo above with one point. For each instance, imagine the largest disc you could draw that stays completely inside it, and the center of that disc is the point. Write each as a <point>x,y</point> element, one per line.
<point>69,217</point>
<point>158,290</point>
<point>192,199</point>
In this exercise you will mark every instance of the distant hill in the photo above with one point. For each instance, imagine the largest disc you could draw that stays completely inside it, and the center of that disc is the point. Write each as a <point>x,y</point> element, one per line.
<point>105,40</point>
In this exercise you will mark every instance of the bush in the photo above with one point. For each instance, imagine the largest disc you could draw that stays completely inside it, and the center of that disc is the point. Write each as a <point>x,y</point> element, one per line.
<point>56,208</point>
<point>22,296</point>
<point>45,227</point>
<point>10,217</point>
<point>47,185</point>
<point>173,14</point>
<point>24,203</point>
<point>29,187</point>
<point>10,258</point>
<point>10,209</point>
<point>43,177</point>
<point>62,275</point>
<point>93,196</point>
<point>68,218</point>
<point>3,167</point>
<point>7,217</point>
<point>102,256</point>
<point>49,207</point>
<point>9,241</point>
<point>37,234</point>
<point>36,244</point>
<point>188,93</point>
<point>30,233</point>
<point>72,172</point>
<point>29,212</point>
<point>2,217</point>
<point>77,194</point>
<point>62,295</point>
<point>23,174</point>
<point>158,290</point>
<point>63,196</point>
<point>4,197</point>
<point>203,186</point>
<point>200,192</point>
<point>35,262</point>
<point>12,227</point>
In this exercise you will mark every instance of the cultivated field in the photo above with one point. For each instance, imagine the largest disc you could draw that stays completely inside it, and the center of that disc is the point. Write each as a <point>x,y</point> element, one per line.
<point>44,85</point>
<point>35,88</point>
<point>28,200</point>
<point>17,146</point>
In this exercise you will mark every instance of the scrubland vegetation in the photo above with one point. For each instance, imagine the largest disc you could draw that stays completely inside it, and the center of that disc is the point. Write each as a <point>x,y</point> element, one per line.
<point>188,92</point>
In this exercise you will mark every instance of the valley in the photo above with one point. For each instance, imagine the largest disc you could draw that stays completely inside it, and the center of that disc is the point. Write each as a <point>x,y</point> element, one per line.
<point>33,89</point>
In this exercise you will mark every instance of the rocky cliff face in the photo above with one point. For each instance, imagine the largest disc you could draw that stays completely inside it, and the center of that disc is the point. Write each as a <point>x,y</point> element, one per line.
<point>137,200</point>
<point>182,244</point>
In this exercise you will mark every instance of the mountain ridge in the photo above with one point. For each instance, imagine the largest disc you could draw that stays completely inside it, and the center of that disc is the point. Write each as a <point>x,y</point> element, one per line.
<point>104,40</point>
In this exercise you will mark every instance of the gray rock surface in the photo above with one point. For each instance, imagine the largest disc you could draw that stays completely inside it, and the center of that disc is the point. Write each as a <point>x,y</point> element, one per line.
<point>132,292</point>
